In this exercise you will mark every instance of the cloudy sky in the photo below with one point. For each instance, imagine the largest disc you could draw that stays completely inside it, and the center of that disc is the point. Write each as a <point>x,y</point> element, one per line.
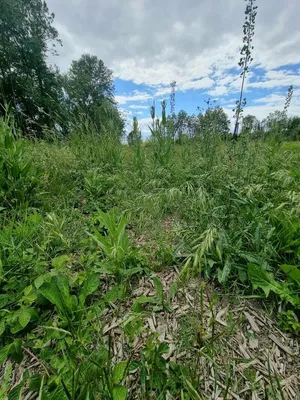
<point>149,43</point>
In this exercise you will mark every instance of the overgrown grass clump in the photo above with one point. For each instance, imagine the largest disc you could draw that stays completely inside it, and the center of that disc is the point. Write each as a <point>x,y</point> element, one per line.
<point>83,219</point>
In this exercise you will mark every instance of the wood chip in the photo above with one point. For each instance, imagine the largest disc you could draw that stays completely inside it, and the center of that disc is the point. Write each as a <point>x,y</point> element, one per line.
<point>252,322</point>
<point>151,324</point>
<point>282,346</point>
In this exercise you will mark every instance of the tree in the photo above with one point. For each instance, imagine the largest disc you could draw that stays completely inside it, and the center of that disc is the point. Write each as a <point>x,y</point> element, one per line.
<point>294,128</point>
<point>246,58</point>
<point>26,82</point>
<point>135,135</point>
<point>250,124</point>
<point>214,120</point>
<point>276,123</point>
<point>89,91</point>
<point>88,82</point>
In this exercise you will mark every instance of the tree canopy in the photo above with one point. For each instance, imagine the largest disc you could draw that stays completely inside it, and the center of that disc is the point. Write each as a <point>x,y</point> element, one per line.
<point>27,83</point>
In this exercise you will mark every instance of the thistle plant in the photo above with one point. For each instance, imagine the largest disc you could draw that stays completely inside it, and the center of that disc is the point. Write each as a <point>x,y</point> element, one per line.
<point>246,57</point>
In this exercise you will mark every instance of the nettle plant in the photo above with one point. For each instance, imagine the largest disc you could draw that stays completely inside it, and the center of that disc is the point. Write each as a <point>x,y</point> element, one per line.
<point>246,58</point>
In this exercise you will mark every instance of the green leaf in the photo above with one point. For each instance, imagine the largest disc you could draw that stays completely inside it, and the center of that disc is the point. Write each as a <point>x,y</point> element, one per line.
<point>28,290</point>
<point>62,283</point>
<point>39,281</point>
<point>192,391</point>
<point>61,261</point>
<point>159,289</point>
<point>224,273</point>
<point>3,300</point>
<point>51,292</point>
<point>292,272</point>
<point>144,299</point>
<point>116,293</point>
<point>163,348</point>
<point>261,279</point>
<point>119,393</point>
<point>89,287</point>
<point>35,383</point>
<point>24,317</point>
<point>2,327</point>
<point>119,372</point>
<point>16,392</point>
<point>173,290</point>
<point>4,353</point>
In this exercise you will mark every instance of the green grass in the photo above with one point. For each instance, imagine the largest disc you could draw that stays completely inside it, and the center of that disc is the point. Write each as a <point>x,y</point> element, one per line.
<point>294,146</point>
<point>83,221</point>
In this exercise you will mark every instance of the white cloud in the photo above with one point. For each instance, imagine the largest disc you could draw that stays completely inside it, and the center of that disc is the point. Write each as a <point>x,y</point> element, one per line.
<point>218,91</point>
<point>276,79</point>
<point>197,44</point>
<point>136,96</point>
<point>203,83</point>
<point>271,99</point>
<point>138,107</point>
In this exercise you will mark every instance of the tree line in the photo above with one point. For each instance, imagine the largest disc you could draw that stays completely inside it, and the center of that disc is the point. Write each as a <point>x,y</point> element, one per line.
<point>42,98</point>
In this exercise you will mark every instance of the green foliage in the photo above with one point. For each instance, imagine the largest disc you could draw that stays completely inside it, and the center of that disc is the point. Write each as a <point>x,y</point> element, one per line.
<point>228,212</point>
<point>162,137</point>
<point>27,83</point>
<point>18,175</point>
<point>122,259</point>
<point>213,121</point>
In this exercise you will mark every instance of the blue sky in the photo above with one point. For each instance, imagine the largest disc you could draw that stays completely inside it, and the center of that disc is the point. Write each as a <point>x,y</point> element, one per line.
<point>265,92</point>
<point>149,43</point>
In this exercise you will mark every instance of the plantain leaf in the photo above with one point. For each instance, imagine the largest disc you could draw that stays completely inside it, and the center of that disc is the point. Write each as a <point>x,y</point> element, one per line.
<point>51,292</point>
<point>89,287</point>
<point>159,289</point>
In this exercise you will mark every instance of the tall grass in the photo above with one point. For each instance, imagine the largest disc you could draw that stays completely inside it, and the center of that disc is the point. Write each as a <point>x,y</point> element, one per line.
<point>71,213</point>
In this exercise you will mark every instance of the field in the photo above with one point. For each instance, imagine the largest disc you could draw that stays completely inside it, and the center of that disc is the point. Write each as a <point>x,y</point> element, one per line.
<point>151,271</point>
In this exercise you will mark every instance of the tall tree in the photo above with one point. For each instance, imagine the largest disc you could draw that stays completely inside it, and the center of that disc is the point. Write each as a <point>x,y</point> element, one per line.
<point>276,122</point>
<point>89,87</point>
<point>88,83</point>
<point>250,124</point>
<point>213,120</point>
<point>27,35</point>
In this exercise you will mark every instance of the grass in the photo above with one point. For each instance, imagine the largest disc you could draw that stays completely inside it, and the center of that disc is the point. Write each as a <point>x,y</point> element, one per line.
<point>294,146</point>
<point>92,231</point>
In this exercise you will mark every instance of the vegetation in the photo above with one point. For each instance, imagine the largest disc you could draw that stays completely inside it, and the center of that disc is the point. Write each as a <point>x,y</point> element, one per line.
<point>116,260</point>
<point>70,252</point>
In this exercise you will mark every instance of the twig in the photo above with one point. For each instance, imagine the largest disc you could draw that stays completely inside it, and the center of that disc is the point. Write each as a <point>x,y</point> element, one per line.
<point>37,359</point>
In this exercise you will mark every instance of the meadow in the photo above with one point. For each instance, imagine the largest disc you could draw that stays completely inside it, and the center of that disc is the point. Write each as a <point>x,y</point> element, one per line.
<point>150,271</point>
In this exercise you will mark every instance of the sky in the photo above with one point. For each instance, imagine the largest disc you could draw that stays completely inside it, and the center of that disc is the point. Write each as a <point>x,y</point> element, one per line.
<point>149,43</point>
